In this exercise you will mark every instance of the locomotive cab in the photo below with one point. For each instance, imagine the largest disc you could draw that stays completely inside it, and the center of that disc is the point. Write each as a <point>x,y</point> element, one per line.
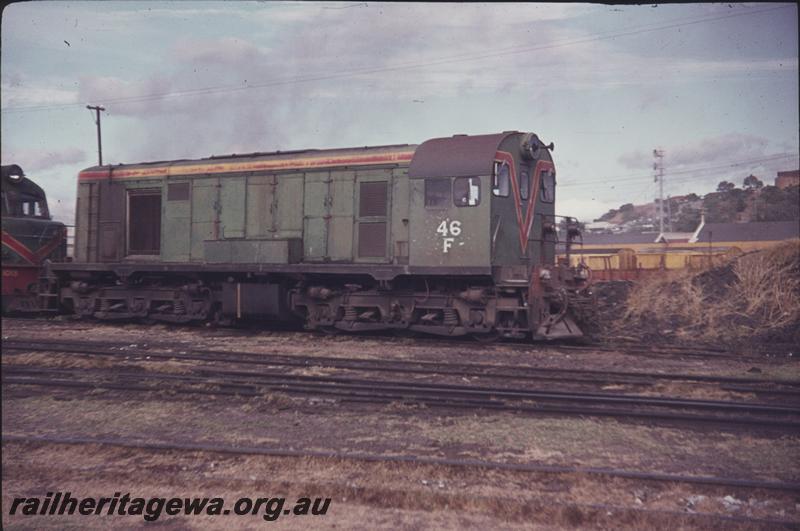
<point>22,198</point>
<point>29,238</point>
<point>489,202</point>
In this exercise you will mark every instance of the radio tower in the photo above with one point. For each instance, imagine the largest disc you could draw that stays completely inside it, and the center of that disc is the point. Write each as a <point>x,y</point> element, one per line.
<point>658,166</point>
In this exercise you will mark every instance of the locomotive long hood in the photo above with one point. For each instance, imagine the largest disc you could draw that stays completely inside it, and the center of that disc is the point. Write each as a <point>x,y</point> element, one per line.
<point>455,156</point>
<point>277,161</point>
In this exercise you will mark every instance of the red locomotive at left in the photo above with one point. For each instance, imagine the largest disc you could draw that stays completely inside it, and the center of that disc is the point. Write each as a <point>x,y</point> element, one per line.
<point>30,237</point>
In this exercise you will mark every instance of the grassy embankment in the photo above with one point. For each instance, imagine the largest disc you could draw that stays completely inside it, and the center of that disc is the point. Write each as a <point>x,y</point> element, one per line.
<point>753,299</point>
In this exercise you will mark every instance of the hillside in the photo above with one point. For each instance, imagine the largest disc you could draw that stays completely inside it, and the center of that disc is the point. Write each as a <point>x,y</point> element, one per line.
<point>753,202</point>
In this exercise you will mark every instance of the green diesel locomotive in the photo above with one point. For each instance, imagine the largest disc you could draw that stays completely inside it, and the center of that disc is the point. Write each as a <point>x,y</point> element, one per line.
<point>455,236</point>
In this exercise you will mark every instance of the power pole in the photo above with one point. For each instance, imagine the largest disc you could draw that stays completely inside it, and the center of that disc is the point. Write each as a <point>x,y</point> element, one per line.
<point>97,109</point>
<point>659,166</point>
<point>669,212</point>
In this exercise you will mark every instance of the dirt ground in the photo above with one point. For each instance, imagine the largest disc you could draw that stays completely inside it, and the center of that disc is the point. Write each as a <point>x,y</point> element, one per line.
<point>380,495</point>
<point>366,495</point>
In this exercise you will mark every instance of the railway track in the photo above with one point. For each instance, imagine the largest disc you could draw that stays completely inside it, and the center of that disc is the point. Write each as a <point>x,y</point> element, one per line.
<point>628,347</point>
<point>206,380</point>
<point>135,370</point>
<point>450,462</point>
<point>777,389</point>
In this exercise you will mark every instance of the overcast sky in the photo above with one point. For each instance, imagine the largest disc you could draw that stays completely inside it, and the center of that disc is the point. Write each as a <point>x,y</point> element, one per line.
<point>713,85</point>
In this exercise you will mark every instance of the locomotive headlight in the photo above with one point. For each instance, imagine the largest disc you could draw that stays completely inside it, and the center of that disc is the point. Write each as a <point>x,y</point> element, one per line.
<point>528,146</point>
<point>544,274</point>
<point>583,273</point>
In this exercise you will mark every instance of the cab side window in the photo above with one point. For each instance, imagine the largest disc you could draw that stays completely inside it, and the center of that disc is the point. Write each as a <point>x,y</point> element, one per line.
<point>501,181</point>
<point>548,178</point>
<point>437,193</point>
<point>467,191</point>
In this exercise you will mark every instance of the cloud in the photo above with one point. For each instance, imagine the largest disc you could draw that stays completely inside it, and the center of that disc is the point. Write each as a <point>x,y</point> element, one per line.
<point>228,94</point>
<point>402,52</point>
<point>143,97</point>
<point>228,51</point>
<point>276,75</point>
<point>147,127</point>
<point>40,160</point>
<point>723,148</point>
<point>56,172</point>
<point>310,50</point>
<point>442,15</point>
<point>21,91</point>
<point>699,166</point>
<point>447,51</point>
<point>585,210</point>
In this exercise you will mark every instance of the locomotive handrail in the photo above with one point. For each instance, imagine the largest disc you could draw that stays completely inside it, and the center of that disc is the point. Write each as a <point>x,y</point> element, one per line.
<point>496,232</point>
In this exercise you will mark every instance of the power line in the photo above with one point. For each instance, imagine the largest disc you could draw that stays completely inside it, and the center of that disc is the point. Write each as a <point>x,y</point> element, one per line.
<point>612,179</point>
<point>407,66</point>
<point>639,176</point>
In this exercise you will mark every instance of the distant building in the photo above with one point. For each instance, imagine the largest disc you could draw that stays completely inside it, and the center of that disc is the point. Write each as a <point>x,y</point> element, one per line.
<point>766,232</point>
<point>674,237</point>
<point>785,179</point>
<point>624,239</point>
<point>601,227</point>
<point>633,255</point>
<point>753,232</point>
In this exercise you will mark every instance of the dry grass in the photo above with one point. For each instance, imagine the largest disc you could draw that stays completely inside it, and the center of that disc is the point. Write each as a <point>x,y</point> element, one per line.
<point>769,285</point>
<point>375,495</point>
<point>753,297</point>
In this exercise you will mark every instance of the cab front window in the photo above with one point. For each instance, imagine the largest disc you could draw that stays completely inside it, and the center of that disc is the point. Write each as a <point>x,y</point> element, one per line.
<point>21,204</point>
<point>524,185</point>
<point>548,178</point>
<point>501,181</point>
